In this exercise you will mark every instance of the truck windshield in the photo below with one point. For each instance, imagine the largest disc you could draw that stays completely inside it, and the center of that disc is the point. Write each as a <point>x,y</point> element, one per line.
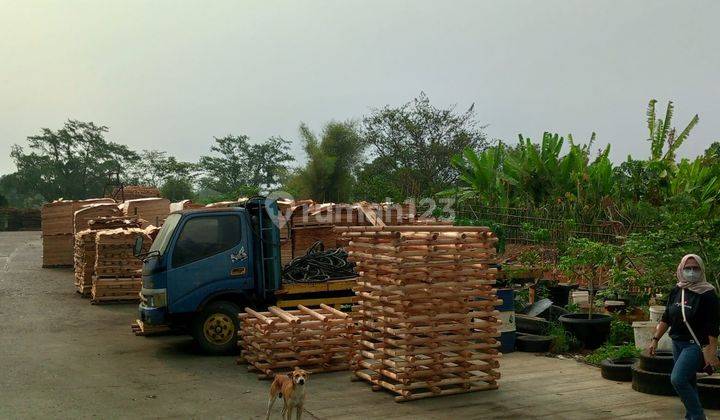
<point>161,242</point>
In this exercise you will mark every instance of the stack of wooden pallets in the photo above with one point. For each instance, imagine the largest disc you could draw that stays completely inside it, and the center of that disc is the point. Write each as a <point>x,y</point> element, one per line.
<point>84,261</point>
<point>85,248</point>
<point>184,205</point>
<point>58,230</point>
<point>118,273</point>
<point>425,309</point>
<point>317,340</point>
<point>132,192</point>
<point>153,211</point>
<point>84,215</point>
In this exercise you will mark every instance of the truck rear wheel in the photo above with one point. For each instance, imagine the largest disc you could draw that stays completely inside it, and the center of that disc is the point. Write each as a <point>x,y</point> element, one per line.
<point>216,328</point>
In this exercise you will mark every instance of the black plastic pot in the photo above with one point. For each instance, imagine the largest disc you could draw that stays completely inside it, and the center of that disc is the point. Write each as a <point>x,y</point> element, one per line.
<point>592,332</point>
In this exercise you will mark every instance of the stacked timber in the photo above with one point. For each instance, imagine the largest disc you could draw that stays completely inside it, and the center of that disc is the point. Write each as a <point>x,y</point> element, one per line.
<point>118,273</point>
<point>153,211</point>
<point>115,222</point>
<point>85,251</point>
<point>133,192</point>
<point>89,212</point>
<point>316,340</point>
<point>184,205</point>
<point>84,261</point>
<point>224,204</point>
<point>58,230</point>
<point>425,309</point>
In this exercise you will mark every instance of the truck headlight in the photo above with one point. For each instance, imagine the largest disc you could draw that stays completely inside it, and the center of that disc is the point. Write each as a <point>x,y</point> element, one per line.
<point>156,298</point>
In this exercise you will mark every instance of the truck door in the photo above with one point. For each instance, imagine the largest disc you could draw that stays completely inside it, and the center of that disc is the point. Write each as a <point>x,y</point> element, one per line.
<point>210,255</point>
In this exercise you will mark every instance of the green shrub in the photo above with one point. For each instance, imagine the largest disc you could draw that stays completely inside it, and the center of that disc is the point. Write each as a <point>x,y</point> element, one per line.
<point>621,332</point>
<point>572,307</point>
<point>609,351</point>
<point>562,341</point>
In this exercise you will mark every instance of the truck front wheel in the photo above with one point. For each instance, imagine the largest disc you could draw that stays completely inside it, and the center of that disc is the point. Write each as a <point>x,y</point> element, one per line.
<point>216,328</point>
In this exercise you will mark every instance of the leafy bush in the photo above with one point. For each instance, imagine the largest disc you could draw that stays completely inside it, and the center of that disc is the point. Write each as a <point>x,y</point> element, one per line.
<point>621,332</point>
<point>572,307</point>
<point>609,351</point>
<point>562,340</point>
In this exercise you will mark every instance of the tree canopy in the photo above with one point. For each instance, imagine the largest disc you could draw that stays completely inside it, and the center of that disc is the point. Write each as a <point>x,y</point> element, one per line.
<point>237,163</point>
<point>329,174</point>
<point>71,162</point>
<point>417,140</point>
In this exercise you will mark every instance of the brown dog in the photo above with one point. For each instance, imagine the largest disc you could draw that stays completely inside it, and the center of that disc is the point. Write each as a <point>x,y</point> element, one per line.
<point>291,388</point>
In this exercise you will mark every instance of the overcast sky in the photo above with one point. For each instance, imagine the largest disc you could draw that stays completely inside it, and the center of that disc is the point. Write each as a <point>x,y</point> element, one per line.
<point>170,75</point>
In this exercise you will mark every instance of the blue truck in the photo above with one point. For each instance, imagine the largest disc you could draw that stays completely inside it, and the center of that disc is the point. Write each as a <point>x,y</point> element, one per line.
<point>206,265</point>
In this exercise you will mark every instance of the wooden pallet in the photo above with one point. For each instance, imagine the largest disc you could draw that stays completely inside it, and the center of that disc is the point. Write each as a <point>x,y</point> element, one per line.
<point>115,289</point>
<point>425,308</point>
<point>319,340</point>
<point>139,328</point>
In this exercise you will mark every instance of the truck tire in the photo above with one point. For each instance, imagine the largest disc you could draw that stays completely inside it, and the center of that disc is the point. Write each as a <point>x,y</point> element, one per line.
<point>662,362</point>
<point>619,370</point>
<point>651,382</point>
<point>216,328</point>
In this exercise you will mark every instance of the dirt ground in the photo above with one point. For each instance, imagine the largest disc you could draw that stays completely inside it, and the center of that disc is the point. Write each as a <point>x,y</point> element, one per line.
<point>61,357</point>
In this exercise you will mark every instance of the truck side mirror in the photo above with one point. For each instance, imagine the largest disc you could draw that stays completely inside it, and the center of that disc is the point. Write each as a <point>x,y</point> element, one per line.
<point>137,248</point>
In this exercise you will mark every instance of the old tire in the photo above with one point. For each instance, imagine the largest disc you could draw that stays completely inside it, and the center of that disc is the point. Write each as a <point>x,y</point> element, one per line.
<point>533,343</point>
<point>619,370</point>
<point>709,392</point>
<point>651,382</point>
<point>216,328</point>
<point>662,362</point>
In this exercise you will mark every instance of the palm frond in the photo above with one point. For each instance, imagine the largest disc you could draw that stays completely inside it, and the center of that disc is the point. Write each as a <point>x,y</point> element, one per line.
<point>651,117</point>
<point>686,132</point>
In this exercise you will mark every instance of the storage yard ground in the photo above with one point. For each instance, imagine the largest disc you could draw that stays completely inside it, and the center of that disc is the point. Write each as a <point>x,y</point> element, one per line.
<point>64,358</point>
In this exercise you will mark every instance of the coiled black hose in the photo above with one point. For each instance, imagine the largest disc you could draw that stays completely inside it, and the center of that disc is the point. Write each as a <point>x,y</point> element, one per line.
<point>318,265</point>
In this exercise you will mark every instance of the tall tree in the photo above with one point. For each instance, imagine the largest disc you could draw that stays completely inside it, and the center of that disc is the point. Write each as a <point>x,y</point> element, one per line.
<point>417,141</point>
<point>332,161</point>
<point>155,167</point>
<point>238,163</point>
<point>71,162</point>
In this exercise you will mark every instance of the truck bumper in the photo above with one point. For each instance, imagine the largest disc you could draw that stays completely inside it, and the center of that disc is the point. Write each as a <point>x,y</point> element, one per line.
<point>152,316</point>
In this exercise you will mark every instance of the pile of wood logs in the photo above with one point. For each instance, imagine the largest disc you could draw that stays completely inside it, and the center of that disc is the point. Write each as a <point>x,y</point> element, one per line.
<point>58,229</point>
<point>153,211</point>
<point>425,309</point>
<point>118,273</point>
<point>317,340</point>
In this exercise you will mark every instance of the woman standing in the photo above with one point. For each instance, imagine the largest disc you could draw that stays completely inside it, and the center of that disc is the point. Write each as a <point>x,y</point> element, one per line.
<point>692,302</point>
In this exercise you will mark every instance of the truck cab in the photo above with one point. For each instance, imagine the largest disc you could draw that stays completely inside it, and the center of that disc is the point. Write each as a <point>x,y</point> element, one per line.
<point>205,265</point>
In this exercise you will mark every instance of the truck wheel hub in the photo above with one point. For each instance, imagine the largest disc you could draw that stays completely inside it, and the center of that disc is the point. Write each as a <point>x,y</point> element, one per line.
<point>219,329</point>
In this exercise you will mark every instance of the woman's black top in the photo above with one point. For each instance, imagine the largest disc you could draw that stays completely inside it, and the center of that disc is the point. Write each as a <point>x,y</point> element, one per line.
<point>701,311</point>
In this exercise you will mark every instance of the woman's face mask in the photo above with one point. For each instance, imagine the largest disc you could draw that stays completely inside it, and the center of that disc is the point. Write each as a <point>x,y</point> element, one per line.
<point>692,274</point>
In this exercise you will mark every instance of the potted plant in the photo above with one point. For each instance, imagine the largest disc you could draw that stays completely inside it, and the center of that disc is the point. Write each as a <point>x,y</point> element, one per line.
<point>587,260</point>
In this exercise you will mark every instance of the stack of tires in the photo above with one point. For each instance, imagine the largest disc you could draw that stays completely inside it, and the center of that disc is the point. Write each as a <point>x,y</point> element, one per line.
<point>651,375</point>
<point>619,370</point>
<point>709,392</point>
